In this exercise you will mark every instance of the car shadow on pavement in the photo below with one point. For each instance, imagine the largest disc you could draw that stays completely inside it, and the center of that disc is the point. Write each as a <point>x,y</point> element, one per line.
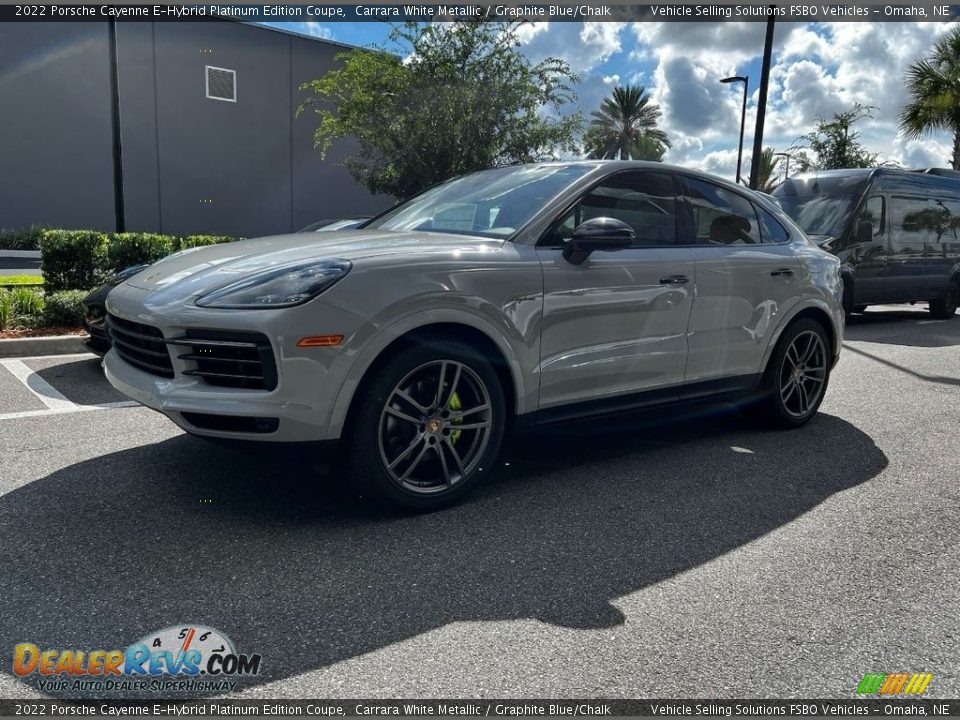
<point>903,327</point>
<point>98,554</point>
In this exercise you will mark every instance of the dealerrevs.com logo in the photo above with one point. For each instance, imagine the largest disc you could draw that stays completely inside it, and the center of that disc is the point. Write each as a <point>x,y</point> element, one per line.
<point>189,658</point>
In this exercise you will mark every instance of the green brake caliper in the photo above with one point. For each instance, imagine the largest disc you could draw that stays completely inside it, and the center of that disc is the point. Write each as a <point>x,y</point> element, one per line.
<point>455,404</point>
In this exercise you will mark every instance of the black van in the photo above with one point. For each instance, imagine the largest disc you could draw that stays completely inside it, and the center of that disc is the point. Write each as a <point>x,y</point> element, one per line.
<point>897,232</point>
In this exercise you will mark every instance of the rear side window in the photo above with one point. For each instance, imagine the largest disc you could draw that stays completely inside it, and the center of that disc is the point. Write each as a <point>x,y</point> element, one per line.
<point>719,216</point>
<point>951,233</point>
<point>771,231</point>
<point>646,201</point>
<point>911,221</point>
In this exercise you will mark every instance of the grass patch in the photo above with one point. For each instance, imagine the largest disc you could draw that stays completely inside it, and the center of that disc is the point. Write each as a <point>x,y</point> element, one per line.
<point>21,280</point>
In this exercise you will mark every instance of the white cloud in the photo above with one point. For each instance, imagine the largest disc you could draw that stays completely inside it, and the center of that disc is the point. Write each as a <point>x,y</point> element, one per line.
<point>718,162</point>
<point>584,46</point>
<point>731,42</point>
<point>818,70</point>
<point>925,152</point>
<point>527,31</point>
<point>317,30</point>
<point>827,68</point>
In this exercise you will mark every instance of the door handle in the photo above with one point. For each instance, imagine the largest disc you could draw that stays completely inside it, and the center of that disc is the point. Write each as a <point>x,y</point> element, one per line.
<point>674,280</point>
<point>782,272</point>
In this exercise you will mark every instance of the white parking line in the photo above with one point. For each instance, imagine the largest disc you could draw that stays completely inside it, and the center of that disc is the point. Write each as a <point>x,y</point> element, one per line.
<point>41,389</point>
<point>65,411</point>
<point>56,403</point>
<point>60,356</point>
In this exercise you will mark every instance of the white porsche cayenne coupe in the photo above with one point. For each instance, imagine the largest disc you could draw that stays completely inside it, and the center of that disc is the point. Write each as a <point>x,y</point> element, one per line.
<point>523,294</point>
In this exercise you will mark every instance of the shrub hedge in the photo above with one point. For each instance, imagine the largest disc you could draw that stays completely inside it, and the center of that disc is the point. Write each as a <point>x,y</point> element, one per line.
<point>83,259</point>
<point>127,249</point>
<point>192,241</point>
<point>23,239</point>
<point>73,259</point>
<point>64,308</point>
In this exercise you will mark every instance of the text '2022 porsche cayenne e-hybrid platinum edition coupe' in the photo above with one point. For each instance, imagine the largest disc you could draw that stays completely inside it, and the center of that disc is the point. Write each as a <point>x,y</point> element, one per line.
<point>522,294</point>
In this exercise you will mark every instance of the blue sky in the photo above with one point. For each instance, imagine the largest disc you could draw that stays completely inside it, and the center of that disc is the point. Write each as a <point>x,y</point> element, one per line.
<point>818,69</point>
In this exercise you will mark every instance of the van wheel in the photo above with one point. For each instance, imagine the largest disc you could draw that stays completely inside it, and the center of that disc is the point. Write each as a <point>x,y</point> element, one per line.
<point>428,427</point>
<point>944,308</point>
<point>796,378</point>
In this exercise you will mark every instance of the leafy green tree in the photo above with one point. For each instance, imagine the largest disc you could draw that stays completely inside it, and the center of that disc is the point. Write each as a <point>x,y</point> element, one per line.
<point>625,127</point>
<point>934,87</point>
<point>835,144</point>
<point>800,161</point>
<point>454,98</point>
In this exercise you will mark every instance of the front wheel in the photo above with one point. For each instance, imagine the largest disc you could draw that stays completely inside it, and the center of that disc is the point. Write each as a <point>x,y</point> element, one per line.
<point>945,307</point>
<point>428,427</point>
<point>796,378</point>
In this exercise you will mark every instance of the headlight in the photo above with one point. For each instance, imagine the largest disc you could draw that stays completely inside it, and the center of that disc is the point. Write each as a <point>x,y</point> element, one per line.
<point>278,286</point>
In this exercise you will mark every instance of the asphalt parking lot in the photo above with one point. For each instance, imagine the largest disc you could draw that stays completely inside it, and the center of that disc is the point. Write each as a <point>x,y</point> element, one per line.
<point>697,556</point>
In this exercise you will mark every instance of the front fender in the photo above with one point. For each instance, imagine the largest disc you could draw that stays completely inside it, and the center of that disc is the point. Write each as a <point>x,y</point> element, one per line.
<point>384,335</point>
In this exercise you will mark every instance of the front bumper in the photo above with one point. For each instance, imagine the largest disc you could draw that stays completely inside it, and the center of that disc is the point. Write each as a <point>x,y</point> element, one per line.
<point>296,410</point>
<point>186,402</point>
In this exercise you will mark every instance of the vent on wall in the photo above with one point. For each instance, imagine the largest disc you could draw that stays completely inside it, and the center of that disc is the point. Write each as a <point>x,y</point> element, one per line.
<point>221,84</point>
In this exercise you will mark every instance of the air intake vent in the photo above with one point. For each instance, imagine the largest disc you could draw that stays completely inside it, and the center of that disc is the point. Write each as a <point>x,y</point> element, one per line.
<point>229,359</point>
<point>140,345</point>
<point>221,84</point>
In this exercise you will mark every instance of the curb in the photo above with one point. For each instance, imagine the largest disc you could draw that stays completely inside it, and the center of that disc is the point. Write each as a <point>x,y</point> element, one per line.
<point>51,345</point>
<point>32,254</point>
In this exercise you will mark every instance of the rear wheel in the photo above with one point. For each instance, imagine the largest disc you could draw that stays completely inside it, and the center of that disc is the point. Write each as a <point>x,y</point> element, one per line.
<point>796,378</point>
<point>945,307</point>
<point>428,427</point>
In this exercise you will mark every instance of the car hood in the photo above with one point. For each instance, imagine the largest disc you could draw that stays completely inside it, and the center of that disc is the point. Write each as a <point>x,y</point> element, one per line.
<point>210,266</point>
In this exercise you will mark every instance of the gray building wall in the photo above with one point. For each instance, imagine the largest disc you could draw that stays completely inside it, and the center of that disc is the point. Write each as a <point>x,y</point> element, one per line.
<point>56,166</point>
<point>190,164</point>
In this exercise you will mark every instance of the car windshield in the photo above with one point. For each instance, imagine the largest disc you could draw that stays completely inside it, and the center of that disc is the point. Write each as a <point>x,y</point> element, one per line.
<point>821,206</point>
<point>491,203</point>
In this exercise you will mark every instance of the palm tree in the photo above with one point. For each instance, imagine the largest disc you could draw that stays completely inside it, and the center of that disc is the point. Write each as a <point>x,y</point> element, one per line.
<point>934,87</point>
<point>622,120</point>
<point>768,165</point>
<point>648,147</point>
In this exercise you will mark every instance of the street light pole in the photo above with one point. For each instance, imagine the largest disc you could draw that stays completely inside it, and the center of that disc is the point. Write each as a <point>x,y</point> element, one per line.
<point>743,115</point>
<point>762,103</point>
<point>786,167</point>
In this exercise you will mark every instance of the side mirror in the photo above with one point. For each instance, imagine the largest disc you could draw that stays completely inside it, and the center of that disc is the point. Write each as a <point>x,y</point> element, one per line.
<point>864,232</point>
<point>602,233</point>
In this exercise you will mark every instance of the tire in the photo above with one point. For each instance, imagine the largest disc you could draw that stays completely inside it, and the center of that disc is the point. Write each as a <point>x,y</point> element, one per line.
<point>945,307</point>
<point>405,443</point>
<point>790,397</point>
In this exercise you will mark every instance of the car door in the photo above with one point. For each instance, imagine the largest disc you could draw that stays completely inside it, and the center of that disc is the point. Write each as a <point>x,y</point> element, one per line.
<point>615,324</point>
<point>913,220</point>
<point>865,250</point>
<point>744,285</point>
